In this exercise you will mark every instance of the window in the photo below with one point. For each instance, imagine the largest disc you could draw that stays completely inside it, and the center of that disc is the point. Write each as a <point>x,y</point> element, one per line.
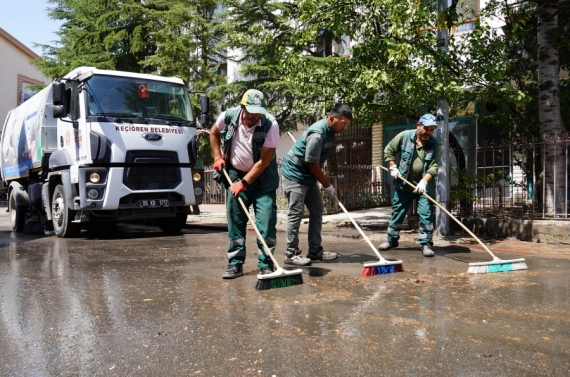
<point>27,87</point>
<point>467,26</point>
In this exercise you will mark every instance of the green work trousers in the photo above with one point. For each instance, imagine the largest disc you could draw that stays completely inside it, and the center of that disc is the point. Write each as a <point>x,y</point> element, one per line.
<point>401,203</point>
<point>265,209</point>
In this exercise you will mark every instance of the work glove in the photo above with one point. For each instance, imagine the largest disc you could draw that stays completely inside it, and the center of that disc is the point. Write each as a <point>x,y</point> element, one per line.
<point>394,172</point>
<point>236,188</point>
<point>219,164</point>
<point>421,187</point>
<point>329,190</point>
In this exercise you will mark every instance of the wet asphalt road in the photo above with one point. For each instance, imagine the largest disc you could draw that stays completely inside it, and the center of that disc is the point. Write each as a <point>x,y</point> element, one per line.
<point>139,303</point>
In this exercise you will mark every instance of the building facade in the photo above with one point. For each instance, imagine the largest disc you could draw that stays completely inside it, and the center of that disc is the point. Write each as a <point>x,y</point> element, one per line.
<point>19,79</point>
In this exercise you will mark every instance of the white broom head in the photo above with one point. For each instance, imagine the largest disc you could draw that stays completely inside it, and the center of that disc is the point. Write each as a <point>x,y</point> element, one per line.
<point>497,266</point>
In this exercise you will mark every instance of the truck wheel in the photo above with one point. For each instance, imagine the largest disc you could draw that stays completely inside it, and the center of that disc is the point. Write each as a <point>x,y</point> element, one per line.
<point>174,224</point>
<point>17,214</point>
<point>62,215</point>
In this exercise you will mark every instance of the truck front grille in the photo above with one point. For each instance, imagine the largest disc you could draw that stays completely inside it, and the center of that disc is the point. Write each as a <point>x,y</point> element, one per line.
<point>155,171</point>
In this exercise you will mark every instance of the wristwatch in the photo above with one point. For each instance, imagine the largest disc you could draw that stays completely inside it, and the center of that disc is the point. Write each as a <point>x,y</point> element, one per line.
<point>244,182</point>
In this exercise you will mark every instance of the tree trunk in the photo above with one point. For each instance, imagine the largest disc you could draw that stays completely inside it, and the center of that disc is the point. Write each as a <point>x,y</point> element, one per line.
<point>550,119</point>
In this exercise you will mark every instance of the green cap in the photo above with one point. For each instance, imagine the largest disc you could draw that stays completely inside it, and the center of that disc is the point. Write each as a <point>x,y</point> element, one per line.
<point>254,102</point>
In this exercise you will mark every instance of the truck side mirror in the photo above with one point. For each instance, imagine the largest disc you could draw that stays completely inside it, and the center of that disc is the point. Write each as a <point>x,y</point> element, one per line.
<point>204,120</point>
<point>205,104</point>
<point>58,93</point>
<point>204,110</point>
<point>59,111</point>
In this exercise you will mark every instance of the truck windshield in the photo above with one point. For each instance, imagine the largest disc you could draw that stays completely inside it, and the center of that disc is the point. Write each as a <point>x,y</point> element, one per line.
<point>125,97</point>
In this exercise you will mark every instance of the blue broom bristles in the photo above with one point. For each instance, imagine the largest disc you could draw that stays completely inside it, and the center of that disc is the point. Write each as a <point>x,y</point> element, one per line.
<point>500,267</point>
<point>380,270</point>
<point>279,282</point>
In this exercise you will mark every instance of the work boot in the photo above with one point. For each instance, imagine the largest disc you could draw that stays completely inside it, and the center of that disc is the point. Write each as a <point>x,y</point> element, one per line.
<point>233,271</point>
<point>388,245</point>
<point>265,270</point>
<point>321,255</point>
<point>427,251</point>
<point>293,256</point>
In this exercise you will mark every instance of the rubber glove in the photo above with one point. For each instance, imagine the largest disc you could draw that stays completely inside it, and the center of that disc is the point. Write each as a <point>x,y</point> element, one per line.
<point>394,172</point>
<point>421,187</point>
<point>329,190</point>
<point>236,188</point>
<point>219,164</point>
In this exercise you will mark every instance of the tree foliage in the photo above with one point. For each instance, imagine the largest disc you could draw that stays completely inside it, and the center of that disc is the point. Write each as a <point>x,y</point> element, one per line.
<point>379,56</point>
<point>171,38</point>
<point>386,61</point>
<point>98,33</point>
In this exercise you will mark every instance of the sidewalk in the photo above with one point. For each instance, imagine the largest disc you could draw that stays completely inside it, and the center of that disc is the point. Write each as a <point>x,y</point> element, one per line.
<point>374,222</point>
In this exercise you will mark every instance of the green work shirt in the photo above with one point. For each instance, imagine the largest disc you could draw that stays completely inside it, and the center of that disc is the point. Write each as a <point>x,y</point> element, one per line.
<point>417,165</point>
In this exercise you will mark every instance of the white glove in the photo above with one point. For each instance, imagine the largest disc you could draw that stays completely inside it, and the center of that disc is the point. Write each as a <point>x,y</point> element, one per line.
<point>329,190</point>
<point>394,172</point>
<point>421,187</point>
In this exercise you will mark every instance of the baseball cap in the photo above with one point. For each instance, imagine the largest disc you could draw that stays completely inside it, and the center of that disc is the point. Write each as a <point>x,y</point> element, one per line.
<point>254,102</point>
<point>427,120</point>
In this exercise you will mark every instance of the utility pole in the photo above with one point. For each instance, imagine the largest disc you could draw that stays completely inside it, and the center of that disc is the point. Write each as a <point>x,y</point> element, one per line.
<point>443,181</point>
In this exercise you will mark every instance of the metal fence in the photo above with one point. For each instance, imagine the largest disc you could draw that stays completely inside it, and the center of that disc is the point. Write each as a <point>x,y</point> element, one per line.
<point>515,179</point>
<point>518,179</point>
<point>355,186</point>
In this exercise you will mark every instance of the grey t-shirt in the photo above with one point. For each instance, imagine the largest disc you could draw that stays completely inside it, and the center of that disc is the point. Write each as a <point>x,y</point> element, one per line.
<point>314,145</point>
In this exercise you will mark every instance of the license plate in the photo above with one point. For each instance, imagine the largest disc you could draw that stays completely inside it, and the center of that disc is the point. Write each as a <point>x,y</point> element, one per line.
<point>151,203</point>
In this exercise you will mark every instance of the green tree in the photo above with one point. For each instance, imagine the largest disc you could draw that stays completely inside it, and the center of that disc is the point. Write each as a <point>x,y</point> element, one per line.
<point>531,50</point>
<point>171,38</point>
<point>385,61</point>
<point>98,33</point>
<point>259,34</point>
<point>308,50</point>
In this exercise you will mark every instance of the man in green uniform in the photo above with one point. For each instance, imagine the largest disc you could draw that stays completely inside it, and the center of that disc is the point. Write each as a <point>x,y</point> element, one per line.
<point>244,140</point>
<point>302,170</point>
<point>420,154</point>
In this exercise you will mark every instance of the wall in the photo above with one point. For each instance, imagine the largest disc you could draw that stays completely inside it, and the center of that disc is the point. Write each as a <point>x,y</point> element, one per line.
<point>13,65</point>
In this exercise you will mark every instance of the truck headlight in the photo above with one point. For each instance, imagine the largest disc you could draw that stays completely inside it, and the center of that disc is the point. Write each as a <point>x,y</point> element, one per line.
<point>94,177</point>
<point>196,177</point>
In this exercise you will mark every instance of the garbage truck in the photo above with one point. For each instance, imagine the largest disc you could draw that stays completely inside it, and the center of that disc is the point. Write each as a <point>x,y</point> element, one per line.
<point>99,147</point>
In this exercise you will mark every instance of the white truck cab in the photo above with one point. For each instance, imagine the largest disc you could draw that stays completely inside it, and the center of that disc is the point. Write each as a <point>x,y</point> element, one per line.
<point>101,147</point>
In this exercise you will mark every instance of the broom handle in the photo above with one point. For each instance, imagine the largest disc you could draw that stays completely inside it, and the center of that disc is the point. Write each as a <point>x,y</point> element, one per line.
<point>351,219</point>
<point>449,214</point>
<point>252,221</point>
<point>360,230</point>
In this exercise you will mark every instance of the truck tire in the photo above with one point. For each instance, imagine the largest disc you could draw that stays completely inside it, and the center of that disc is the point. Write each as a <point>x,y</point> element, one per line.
<point>62,215</point>
<point>174,224</point>
<point>17,213</point>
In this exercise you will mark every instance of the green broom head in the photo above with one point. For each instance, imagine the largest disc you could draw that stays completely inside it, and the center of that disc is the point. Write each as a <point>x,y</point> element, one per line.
<point>382,267</point>
<point>279,279</point>
<point>497,265</point>
<point>280,282</point>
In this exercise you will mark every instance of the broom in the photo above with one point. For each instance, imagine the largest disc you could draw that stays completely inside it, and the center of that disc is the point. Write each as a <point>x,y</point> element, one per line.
<point>383,266</point>
<point>279,278</point>
<point>496,265</point>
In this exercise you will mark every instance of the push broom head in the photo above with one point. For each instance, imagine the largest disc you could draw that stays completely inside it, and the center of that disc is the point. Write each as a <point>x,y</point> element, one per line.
<point>497,265</point>
<point>382,267</point>
<point>279,279</point>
